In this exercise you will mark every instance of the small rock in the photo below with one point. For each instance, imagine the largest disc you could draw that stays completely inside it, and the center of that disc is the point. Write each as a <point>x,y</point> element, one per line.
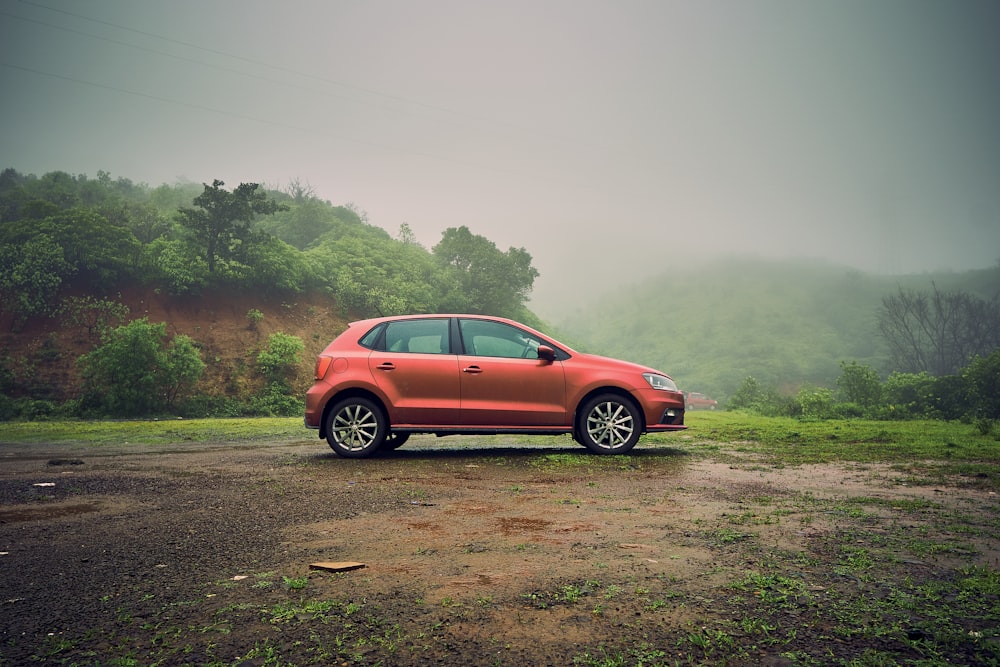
<point>345,566</point>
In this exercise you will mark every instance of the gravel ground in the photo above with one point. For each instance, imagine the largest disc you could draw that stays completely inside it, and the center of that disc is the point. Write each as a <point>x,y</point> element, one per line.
<point>486,553</point>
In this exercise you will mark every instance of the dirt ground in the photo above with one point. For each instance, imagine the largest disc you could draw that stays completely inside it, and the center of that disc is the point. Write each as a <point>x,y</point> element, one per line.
<point>474,551</point>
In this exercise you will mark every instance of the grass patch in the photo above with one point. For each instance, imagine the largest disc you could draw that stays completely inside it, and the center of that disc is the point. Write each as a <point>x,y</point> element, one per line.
<point>168,432</point>
<point>930,451</point>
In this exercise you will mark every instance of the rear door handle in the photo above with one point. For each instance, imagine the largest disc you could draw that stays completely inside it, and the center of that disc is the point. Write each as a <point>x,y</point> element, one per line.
<point>386,366</point>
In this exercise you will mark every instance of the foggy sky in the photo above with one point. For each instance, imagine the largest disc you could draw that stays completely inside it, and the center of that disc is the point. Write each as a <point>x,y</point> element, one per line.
<point>613,140</point>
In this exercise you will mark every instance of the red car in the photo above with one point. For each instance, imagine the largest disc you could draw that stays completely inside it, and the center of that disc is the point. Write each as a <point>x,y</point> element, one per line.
<point>696,401</point>
<point>386,378</point>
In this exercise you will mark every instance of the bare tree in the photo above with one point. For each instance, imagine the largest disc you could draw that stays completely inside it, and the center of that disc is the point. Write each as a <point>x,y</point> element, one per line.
<point>938,332</point>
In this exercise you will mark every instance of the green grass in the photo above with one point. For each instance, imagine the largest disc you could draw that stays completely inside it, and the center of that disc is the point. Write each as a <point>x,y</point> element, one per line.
<point>780,440</point>
<point>930,451</point>
<point>156,432</point>
<point>794,441</point>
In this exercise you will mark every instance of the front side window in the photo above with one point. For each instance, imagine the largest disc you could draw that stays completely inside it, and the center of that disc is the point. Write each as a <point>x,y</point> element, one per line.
<point>420,336</point>
<point>483,338</point>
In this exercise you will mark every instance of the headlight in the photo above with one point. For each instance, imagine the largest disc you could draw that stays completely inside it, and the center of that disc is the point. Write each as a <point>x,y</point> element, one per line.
<point>657,381</point>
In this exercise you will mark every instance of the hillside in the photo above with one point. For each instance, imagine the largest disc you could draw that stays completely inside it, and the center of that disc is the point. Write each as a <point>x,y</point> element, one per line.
<point>42,356</point>
<point>788,324</point>
<point>76,249</point>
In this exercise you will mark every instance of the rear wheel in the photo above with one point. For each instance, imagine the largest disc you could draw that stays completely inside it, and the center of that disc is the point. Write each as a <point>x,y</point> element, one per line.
<point>356,427</point>
<point>609,424</point>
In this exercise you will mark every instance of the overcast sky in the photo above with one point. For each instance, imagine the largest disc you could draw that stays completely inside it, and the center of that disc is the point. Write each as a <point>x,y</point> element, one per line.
<point>611,139</point>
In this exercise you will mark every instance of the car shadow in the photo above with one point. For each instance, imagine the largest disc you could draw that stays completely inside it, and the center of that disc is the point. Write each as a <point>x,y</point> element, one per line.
<point>509,452</point>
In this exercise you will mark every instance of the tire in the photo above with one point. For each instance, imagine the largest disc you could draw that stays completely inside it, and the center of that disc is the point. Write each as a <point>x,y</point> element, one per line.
<point>356,428</point>
<point>609,424</point>
<point>395,441</point>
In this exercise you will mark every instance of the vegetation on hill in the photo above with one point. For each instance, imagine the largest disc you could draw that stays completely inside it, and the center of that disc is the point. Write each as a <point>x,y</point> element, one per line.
<point>791,327</point>
<point>82,260</point>
<point>59,231</point>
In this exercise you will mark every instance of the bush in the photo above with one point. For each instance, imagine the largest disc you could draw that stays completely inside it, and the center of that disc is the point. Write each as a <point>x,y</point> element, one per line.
<point>982,381</point>
<point>254,317</point>
<point>203,405</point>
<point>860,384</point>
<point>275,401</point>
<point>29,409</point>
<point>134,373</point>
<point>815,402</point>
<point>753,397</point>
<point>281,358</point>
<point>848,411</point>
<point>909,395</point>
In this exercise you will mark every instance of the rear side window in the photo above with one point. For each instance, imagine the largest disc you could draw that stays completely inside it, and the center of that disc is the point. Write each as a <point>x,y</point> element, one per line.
<point>370,339</point>
<point>419,336</point>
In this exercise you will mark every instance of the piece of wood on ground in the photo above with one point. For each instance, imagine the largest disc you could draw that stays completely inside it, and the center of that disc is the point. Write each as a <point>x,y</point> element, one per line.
<point>332,566</point>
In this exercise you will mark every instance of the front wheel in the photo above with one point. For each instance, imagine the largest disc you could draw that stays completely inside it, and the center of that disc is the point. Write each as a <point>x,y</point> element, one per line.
<point>609,424</point>
<point>356,428</point>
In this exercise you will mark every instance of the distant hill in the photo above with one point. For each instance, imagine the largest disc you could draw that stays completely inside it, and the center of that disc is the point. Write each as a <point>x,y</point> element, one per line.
<point>787,323</point>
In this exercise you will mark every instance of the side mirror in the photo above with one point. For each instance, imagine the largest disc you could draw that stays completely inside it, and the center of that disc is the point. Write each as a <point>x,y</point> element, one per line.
<point>546,353</point>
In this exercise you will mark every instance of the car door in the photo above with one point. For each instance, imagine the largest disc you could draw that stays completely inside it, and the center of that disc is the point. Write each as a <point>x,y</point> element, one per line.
<point>504,383</point>
<point>415,369</point>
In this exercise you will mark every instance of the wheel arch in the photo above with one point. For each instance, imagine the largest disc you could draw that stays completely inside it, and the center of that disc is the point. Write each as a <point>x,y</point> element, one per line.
<point>352,392</point>
<point>618,391</point>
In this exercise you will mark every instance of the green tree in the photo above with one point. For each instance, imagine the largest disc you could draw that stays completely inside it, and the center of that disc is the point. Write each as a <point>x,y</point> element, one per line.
<point>982,380</point>
<point>98,249</point>
<point>178,265</point>
<point>221,223</point>
<point>490,280</point>
<point>95,315</point>
<point>31,274</point>
<point>273,265</point>
<point>182,368</point>
<point>303,223</point>
<point>749,395</point>
<point>860,384</point>
<point>134,372</point>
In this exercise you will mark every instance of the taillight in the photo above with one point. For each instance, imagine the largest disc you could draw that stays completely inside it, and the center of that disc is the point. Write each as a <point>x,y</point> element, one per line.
<point>322,366</point>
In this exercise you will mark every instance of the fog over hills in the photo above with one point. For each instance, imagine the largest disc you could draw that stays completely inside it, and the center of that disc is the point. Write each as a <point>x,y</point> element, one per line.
<point>613,140</point>
<point>787,323</point>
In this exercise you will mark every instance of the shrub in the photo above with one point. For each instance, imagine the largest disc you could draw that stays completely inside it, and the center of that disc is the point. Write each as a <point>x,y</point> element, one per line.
<point>815,402</point>
<point>281,358</point>
<point>753,397</point>
<point>275,401</point>
<point>860,384</point>
<point>135,373</point>
<point>254,317</point>
<point>909,394</point>
<point>94,315</point>
<point>982,381</point>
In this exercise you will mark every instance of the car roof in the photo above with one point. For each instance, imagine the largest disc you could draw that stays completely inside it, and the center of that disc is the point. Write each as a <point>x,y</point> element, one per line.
<point>373,321</point>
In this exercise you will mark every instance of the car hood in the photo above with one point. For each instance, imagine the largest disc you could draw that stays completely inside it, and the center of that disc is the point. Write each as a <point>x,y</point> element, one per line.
<point>598,360</point>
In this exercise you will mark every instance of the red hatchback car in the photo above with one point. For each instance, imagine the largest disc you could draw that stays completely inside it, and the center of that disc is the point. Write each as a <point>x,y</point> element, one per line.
<point>386,378</point>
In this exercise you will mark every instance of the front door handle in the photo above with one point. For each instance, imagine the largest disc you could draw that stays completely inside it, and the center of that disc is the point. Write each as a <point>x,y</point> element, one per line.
<point>472,370</point>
